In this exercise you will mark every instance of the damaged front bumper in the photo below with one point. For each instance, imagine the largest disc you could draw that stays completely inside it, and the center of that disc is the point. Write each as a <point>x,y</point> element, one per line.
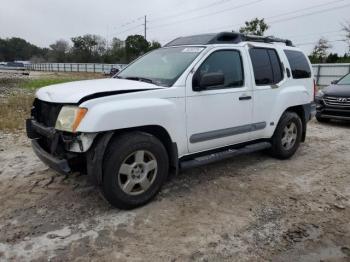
<point>63,152</point>
<point>59,165</point>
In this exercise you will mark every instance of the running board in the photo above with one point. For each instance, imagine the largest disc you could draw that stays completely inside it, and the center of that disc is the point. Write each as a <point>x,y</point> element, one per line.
<point>214,157</point>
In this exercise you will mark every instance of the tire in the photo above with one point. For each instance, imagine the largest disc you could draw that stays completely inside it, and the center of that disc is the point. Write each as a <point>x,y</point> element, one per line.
<point>130,178</point>
<point>285,144</point>
<point>322,120</point>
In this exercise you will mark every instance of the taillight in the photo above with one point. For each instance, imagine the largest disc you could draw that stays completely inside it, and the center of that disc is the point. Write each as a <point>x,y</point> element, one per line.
<point>315,89</point>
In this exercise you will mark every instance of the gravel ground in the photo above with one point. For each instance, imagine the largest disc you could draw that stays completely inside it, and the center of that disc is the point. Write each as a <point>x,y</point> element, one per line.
<point>250,208</point>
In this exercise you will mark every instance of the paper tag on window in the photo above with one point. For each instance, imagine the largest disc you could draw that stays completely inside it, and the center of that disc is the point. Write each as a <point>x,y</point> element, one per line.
<point>192,49</point>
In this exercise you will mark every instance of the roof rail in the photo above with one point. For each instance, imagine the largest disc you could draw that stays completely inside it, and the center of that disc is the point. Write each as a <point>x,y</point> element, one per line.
<point>266,39</point>
<point>224,38</point>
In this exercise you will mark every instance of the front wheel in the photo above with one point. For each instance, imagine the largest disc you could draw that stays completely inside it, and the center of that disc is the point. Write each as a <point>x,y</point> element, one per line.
<point>135,168</point>
<point>287,136</point>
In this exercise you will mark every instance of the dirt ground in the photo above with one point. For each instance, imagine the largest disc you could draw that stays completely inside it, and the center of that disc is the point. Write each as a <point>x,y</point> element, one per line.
<point>250,208</point>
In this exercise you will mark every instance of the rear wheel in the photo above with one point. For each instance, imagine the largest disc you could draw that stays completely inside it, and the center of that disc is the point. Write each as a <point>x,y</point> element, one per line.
<point>135,168</point>
<point>287,136</point>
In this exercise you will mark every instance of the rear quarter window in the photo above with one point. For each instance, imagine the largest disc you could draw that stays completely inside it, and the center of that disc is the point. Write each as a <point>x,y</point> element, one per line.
<point>299,64</point>
<point>267,66</point>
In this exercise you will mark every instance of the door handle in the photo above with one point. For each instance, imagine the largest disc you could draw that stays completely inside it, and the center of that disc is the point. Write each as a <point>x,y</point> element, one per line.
<point>245,98</point>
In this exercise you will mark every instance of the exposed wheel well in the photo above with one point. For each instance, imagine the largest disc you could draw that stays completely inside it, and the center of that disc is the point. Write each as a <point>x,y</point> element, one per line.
<point>95,156</point>
<point>300,111</point>
<point>160,133</point>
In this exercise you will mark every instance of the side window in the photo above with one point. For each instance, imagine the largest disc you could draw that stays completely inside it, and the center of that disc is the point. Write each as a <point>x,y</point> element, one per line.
<point>299,64</point>
<point>227,62</point>
<point>267,66</point>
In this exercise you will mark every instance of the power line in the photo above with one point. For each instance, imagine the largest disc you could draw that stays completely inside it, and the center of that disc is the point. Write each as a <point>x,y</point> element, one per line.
<point>286,13</point>
<point>314,43</point>
<point>316,34</point>
<point>128,23</point>
<point>283,14</point>
<point>304,9</point>
<point>190,11</point>
<point>137,26</point>
<point>131,21</point>
<point>308,14</point>
<point>209,14</point>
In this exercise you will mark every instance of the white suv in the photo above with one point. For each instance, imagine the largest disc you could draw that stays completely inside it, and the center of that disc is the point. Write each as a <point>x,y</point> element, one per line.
<point>197,100</point>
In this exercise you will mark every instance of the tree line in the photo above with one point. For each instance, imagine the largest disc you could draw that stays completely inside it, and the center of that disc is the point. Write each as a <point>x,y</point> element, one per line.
<point>95,49</point>
<point>321,53</point>
<point>84,49</point>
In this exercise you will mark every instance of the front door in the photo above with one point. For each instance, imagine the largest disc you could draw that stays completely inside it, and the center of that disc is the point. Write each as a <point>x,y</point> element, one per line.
<point>219,115</point>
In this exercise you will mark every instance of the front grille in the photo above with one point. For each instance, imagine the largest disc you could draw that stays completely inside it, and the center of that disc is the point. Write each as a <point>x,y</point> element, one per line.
<point>46,113</point>
<point>337,101</point>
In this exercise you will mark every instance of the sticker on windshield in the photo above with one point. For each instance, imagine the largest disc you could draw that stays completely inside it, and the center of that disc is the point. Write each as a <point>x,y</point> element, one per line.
<point>192,49</point>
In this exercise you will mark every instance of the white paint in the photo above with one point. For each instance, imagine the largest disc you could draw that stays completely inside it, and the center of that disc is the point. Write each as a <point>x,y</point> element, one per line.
<point>72,92</point>
<point>183,112</point>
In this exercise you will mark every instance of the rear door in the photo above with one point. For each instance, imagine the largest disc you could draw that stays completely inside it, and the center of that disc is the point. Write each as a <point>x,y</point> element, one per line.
<point>220,115</point>
<point>268,79</point>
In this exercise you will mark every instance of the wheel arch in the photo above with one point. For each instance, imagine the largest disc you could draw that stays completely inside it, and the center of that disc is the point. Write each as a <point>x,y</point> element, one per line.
<point>301,112</point>
<point>95,156</point>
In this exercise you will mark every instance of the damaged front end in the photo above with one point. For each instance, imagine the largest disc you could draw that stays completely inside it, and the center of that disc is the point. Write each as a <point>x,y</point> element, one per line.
<point>62,151</point>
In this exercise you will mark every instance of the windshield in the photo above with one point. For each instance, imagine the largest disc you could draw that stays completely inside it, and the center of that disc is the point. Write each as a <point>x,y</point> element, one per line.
<point>162,66</point>
<point>345,80</point>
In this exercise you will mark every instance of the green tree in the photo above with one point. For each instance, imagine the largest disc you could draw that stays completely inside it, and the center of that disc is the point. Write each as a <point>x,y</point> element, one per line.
<point>18,49</point>
<point>135,45</point>
<point>154,45</point>
<point>88,48</point>
<point>346,29</point>
<point>255,27</point>
<point>85,49</point>
<point>320,52</point>
<point>116,52</point>
<point>58,51</point>
<point>3,50</point>
<point>332,58</point>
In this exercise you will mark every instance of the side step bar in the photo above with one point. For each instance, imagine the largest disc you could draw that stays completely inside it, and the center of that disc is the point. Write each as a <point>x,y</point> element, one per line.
<point>214,157</point>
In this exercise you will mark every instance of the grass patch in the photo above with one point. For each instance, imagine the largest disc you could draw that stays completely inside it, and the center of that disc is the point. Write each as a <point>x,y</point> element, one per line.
<point>15,104</point>
<point>14,110</point>
<point>41,82</point>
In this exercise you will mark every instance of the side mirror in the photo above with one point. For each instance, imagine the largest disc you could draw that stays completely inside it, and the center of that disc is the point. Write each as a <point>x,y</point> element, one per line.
<point>334,82</point>
<point>208,80</point>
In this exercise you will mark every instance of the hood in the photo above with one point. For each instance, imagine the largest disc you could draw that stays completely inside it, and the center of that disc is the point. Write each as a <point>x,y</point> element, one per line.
<point>79,91</point>
<point>338,90</point>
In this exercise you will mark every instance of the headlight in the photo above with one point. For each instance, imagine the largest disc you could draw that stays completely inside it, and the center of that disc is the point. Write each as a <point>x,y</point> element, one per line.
<point>69,118</point>
<point>320,93</point>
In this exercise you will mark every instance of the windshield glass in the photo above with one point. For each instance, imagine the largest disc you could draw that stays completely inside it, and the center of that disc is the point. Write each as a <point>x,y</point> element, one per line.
<point>162,66</point>
<point>345,80</point>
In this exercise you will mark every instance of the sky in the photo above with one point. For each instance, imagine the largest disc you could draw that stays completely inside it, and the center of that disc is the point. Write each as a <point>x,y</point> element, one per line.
<point>42,22</point>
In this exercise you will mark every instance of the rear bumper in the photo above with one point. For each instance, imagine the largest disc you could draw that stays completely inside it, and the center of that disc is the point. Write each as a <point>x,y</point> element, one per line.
<point>59,165</point>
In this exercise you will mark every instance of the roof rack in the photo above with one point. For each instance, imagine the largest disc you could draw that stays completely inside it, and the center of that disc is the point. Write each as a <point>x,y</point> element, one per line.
<point>225,38</point>
<point>267,39</point>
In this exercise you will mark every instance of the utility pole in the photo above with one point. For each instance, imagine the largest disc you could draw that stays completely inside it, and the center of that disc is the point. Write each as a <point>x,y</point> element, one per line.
<point>145,24</point>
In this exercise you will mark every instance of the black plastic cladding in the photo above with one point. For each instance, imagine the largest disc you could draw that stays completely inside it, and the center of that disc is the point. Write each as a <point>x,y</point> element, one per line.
<point>224,38</point>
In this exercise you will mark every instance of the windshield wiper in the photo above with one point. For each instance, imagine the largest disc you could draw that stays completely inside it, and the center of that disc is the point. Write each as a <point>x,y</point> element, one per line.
<point>142,79</point>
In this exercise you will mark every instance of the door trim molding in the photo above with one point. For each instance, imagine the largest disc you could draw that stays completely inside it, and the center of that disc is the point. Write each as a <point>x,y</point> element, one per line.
<point>232,131</point>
